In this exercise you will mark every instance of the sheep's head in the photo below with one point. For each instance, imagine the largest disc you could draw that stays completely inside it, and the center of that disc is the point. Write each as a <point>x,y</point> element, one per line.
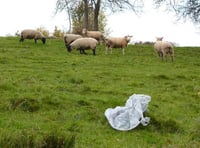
<point>69,49</point>
<point>128,38</point>
<point>65,39</point>
<point>43,40</point>
<point>159,38</point>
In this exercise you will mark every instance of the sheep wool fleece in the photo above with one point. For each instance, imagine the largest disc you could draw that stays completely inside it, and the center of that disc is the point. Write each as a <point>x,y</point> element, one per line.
<point>131,115</point>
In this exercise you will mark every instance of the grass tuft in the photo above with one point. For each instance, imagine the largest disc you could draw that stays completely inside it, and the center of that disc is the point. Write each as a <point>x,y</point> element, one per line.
<point>25,104</point>
<point>165,126</point>
<point>54,141</point>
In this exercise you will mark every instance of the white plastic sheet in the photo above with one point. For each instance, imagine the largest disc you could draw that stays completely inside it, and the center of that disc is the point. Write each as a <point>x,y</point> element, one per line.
<point>131,115</point>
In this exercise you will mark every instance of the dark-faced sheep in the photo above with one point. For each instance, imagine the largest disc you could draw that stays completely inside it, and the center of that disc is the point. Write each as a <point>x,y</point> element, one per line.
<point>32,34</point>
<point>163,48</point>
<point>69,38</point>
<point>115,42</point>
<point>93,34</point>
<point>83,44</point>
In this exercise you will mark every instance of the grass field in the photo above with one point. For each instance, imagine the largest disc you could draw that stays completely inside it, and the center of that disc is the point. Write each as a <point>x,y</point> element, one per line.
<point>52,98</point>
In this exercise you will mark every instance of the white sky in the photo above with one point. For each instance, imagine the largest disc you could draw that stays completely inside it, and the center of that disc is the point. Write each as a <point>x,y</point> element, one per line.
<point>24,14</point>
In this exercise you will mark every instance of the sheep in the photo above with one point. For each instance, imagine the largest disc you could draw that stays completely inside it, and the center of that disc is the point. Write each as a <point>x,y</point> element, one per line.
<point>114,42</point>
<point>93,34</point>
<point>84,43</point>
<point>32,34</point>
<point>163,48</point>
<point>69,38</point>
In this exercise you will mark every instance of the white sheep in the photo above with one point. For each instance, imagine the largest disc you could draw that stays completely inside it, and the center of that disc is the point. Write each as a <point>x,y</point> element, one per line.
<point>116,42</point>
<point>32,34</point>
<point>98,35</point>
<point>84,43</point>
<point>163,48</point>
<point>69,38</point>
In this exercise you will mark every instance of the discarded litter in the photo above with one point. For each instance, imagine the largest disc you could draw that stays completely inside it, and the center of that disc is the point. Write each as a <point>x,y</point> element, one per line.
<point>127,117</point>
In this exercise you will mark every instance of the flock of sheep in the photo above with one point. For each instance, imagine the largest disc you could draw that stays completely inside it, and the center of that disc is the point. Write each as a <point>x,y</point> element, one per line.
<point>90,40</point>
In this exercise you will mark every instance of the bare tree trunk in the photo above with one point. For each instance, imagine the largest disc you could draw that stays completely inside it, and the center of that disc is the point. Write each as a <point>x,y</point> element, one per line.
<point>96,15</point>
<point>69,16</point>
<point>85,22</point>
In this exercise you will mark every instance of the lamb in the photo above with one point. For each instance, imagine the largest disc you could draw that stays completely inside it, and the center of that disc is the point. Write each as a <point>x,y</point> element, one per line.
<point>113,42</point>
<point>93,34</point>
<point>32,34</point>
<point>84,43</point>
<point>69,38</point>
<point>163,48</point>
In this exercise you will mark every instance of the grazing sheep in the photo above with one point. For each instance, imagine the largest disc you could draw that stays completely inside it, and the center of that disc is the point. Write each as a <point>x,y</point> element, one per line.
<point>32,34</point>
<point>84,43</point>
<point>113,42</point>
<point>93,34</point>
<point>163,48</point>
<point>69,38</point>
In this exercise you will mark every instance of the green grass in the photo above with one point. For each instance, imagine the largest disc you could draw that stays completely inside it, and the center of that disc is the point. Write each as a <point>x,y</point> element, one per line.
<point>52,98</point>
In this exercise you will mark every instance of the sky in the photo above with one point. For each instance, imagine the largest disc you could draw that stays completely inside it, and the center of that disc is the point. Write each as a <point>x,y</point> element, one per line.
<point>31,14</point>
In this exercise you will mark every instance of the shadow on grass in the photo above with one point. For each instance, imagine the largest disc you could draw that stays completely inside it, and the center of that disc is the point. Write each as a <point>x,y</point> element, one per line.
<point>25,104</point>
<point>24,139</point>
<point>163,126</point>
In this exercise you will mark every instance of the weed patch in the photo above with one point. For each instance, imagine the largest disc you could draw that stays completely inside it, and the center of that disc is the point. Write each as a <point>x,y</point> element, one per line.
<point>165,126</point>
<point>25,104</point>
<point>22,139</point>
<point>55,141</point>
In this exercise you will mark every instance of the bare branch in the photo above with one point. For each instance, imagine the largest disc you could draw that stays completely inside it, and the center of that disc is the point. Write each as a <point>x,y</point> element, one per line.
<point>184,9</point>
<point>120,5</point>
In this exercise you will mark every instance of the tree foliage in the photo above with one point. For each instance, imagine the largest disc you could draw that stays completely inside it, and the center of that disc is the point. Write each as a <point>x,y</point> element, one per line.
<point>184,9</point>
<point>44,31</point>
<point>78,17</point>
<point>121,5</point>
<point>58,33</point>
<point>113,5</point>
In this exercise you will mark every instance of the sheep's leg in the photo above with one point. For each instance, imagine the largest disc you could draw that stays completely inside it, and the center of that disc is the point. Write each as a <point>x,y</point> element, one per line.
<point>68,47</point>
<point>106,50</point>
<point>160,55</point>
<point>21,39</point>
<point>172,58</point>
<point>94,53</point>
<point>81,51</point>
<point>165,56</point>
<point>110,50</point>
<point>84,51</point>
<point>172,55</point>
<point>123,51</point>
<point>35,41</point>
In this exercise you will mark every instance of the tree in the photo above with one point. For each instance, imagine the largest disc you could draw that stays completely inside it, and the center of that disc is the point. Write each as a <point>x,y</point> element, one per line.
<point>78,18</point>
<point>184,9</point>
<point>113,5</point>
<point>44,31</point>
<point>58,33</point>
<point>68,6</point>
<point>120,5</point>
<point>96,13</point>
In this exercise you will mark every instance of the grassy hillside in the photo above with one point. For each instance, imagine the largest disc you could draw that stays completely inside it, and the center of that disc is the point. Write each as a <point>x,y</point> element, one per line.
<point>50,97</point>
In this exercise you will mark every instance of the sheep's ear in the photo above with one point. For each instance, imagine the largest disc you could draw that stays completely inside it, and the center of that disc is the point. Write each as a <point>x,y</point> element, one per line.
<point>159,38</point>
